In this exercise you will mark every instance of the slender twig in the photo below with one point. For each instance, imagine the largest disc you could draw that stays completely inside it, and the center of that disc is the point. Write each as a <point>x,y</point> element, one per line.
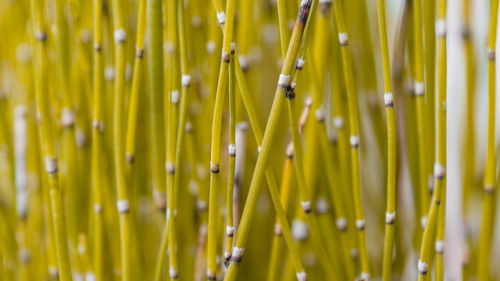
<point>155,81</point>
<point>488,208</point>
<point>97,141</point>
<point>469,184</point>
<point>441,143</point>
<point>232,155</point>
<point>123,206</point>
<point>354,138</point>
<point>297,144</point>
<point>216,138</point>
<point>136,83</point>
<point>48,143</point>
<point>390,216</point>
<point>283,85</point>
<point>437,208</point>
<point>419,90</point>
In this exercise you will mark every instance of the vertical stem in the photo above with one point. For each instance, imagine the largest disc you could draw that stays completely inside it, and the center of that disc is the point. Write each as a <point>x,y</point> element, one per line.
<point>390,217</point>
<point>136,79</point>
<point>155,74</point>
<point>123,207</point>
<point>488,208</point>
<point>441,145</point>
<point>469,150</point>
<point>429,18</point>
<point>155,66</point>
<point>232,155</point>
<point>352,101</point>
<point>437,207</point>
<point>97,144</point>
<point>172,124</point>
<point>70,179</point>
<point>420,110</point>
<point>216,140</point>
<point>305,196</point>
<point>48,143</point>
<point>286,179</point>
<point>269,135</point>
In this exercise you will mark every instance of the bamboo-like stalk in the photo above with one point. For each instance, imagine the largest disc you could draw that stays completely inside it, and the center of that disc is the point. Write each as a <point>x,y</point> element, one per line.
<point>269,173</point>
<point>342,147</point>
<point>318,132</point>
<point>283,85</point>
<point>244,30</point>
<point>97,141</point>
<point>390,216</point>
<point>354,138</point>
<point>488,207</point>
<point>441,143</point>
<point>271,180</point>
<point>69,180</point>
<point>172,116</point>
<point>437,207</point>
<point>136,83</point>
<point>368,84</point>
<point>179,137</point>
<point>154,34</point>
<point>50,157</point>
<point>335,192</point>
<point>155,67</point>
<point>286,180</point>
<point>216,139</point>
<point>132,114</point>
<point>306,198</point>
<point>232,155</point>
<point>119,36</point>
<point>419,90</point>
<point>469,185</point>
<point>251,110</point>
<point>429,18</point>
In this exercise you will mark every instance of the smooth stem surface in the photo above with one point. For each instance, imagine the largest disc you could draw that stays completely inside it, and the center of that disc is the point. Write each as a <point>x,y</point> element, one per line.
<point>420,109</point>
<point>47,133</point>
<point>269,173</point>
<point>469,150</point>
<point>342,143</point>
<point>429,25</point>
<point>181,129</point>
<point>390,219</point>
<point>232,155</point>
<point>97,141</point>
<point>70,181</point>
<point>173,62</point>
<point>155,81</point>
<point>331,265</point>
<point>441,145</point>
<point>119,35</point>
<point>283,85</point>
<point>488,208</point>
<point>352,102</point>
<point>437,208</point>
<point>297,144</point>
<point>305,196</point>
<point>216,141</point>
<point>286,180</point>
<point>136,83</point>
<point>271,180</point>
<point>155,65</point>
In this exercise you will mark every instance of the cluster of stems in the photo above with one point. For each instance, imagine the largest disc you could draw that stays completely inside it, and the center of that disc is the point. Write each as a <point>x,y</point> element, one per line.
<point>156,150</point>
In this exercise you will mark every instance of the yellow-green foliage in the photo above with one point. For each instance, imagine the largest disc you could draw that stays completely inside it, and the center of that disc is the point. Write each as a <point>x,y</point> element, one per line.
<point>141,140</point>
